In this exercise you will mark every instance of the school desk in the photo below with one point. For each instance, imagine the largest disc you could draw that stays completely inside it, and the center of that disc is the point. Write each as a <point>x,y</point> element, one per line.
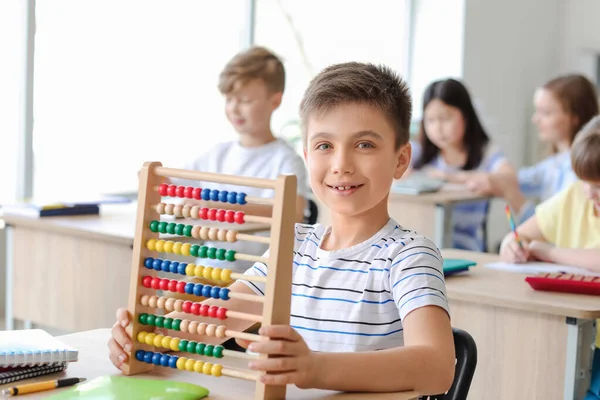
<point>93,362</point>
<point>71,273</point>
<point>531,344</point>
<point>428,213</point>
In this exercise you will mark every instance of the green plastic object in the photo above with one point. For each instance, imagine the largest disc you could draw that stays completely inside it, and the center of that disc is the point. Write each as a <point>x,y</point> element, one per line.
<point>455,265</point>
<point>123,387</point>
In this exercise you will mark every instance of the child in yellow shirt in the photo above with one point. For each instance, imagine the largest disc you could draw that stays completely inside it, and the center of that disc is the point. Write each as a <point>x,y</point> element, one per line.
<point>566,228</point>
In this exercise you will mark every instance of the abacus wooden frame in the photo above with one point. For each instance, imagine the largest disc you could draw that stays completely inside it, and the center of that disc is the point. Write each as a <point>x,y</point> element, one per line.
<point>276,307</point>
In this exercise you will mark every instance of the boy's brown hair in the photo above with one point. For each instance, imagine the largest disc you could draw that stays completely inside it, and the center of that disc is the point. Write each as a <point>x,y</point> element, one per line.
<point>253,63</point>
<point>375,85</point>
<point>585,152</point>
<point>578,97</point>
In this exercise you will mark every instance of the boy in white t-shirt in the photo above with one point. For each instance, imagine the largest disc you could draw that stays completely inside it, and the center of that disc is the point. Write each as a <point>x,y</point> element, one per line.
<point>252,84</point>
<point>369,310</point>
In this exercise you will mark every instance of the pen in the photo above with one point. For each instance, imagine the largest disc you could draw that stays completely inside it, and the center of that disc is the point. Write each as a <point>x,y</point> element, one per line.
<point>41,386</point>
<point>512,225</point>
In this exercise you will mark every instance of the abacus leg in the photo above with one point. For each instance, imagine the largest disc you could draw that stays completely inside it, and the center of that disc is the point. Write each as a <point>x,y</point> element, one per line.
<point>270,392</point>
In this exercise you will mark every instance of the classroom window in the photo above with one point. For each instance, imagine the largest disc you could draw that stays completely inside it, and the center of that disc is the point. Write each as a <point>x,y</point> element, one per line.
<point>120,82</point>
<point>311,34</point>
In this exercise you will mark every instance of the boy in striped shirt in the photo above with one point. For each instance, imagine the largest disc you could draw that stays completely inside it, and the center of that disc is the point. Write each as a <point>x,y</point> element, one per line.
<point>367,293</point>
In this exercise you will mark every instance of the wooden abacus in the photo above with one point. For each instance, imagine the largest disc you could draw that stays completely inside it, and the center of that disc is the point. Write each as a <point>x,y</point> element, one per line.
<point>144,279</point>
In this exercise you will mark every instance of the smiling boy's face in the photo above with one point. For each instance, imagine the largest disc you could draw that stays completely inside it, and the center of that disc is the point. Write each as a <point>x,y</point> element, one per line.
<point>351,159</point>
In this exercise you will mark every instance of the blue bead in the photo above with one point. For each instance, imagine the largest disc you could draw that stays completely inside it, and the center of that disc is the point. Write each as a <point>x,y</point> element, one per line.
<point>189,288</point>
<point>148,262</point>
<point>157,264</point>
<point>206,290</point>
<point>224,294</point>
<point>164,360</point>
<point>139,355</point>
<point>214,292</point>
<point>148,357</point>
<point>165,265</point>
<point>214,195</point>
<point>205,194</point>
<point>173,361</point>
<point>241,198</point>
<point>223,196</point>
<point>198,289</point>
<point>174,266</point>
<point>181,268</point>
<point>156,358</point>
<point>232,197</point>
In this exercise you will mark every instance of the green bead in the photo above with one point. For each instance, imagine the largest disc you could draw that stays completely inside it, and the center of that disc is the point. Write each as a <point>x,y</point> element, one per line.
<point>182,345</point>
<point>208,350</point>
<point>168,323</point>
<point>171,228</point>
<point>200,348</point>
<point>218,352</point>
<point>179,229</point>
<point>187,230</point>
<point>194,250</point>
<point>202,251</point>
<point>220,254</point>
<point>159,321</point>
<point>176,324</point>
<point>143,318</point>
<point>191,347</point>
<point>212,253</point>
<point>154,226</point>
<point>151,318</point>
<point>162,227</point>
<point>230,255</point>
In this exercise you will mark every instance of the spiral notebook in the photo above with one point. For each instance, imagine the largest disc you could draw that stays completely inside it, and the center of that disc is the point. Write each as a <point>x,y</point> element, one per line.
<point>8,375</point>
<point>32,347</point>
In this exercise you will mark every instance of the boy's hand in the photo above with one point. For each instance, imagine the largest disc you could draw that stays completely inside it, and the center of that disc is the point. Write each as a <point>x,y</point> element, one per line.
<point>120,344</point>
<point>511,252</point>
<point>541,250</point>
<point>294,363</point>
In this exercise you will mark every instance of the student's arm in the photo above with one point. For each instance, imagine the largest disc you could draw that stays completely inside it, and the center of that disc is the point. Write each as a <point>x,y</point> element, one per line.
<point>583,258</point>
<point>528,232</point>
<point>425,364</point>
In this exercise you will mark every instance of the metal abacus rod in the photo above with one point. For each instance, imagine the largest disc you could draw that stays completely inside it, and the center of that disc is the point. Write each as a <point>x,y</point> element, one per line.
<point>213,214</point>
<point>214,195</point>
<point>204,232</point>
<point>194,250</point>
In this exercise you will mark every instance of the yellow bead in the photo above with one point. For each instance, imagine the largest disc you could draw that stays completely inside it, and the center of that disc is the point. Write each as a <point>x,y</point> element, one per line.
<point>198,365</point>
<point>168,247</point>
<point>216,274</point>
<point>160,246</point>
<point>177,247</point>
<point>142,337</point>
<point>189,270</point>
<point>216,370</point>
<point>185,249</point>
<point>151,244</point>
<point>157,340</point>
<point>189,364</point>
<point>166,342</point>
<point>199,271</point>
<point>226,275</point>
<point>206,369</point>
<point>175,344</point>
<point>181,363</point>
<point>150,338</point>
<point>207,272</point>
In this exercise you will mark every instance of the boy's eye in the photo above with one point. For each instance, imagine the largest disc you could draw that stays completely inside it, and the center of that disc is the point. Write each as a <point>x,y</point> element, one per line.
<point>323,146</point>
<point>365,145</point>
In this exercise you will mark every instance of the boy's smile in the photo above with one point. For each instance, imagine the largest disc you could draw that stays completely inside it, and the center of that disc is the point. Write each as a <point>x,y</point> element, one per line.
<point>351,159</point>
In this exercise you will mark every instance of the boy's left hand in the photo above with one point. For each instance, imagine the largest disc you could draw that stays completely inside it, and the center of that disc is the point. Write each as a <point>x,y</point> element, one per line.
<point>294,362</point>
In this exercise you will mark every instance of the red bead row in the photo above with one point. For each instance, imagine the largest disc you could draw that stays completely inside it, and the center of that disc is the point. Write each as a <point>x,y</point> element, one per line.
<point>180,191</point>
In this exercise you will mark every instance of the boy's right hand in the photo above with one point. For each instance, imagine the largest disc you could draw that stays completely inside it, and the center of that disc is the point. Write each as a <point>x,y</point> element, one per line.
<point>120,344</point>
<point>511,252</point>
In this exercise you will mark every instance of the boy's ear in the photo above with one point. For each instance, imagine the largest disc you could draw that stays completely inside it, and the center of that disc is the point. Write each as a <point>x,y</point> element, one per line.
<point>403,156</point>
<point>304,153</point>
<point>276,100</point>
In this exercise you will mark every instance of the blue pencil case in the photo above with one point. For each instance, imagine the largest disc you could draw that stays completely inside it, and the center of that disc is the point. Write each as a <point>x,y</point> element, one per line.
<point>454,266</point>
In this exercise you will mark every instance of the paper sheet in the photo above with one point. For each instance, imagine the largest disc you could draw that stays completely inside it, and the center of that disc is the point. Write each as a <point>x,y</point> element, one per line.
<point>533,268</point>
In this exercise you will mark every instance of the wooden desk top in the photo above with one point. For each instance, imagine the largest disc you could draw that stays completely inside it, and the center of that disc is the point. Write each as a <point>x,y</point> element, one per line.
<point>507,289</point>
<point>93,363</point>
<point>115,223</point>
<point>446,196</point>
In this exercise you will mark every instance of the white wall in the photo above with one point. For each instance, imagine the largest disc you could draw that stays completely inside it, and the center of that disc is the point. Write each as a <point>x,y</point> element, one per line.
<point>581,37</point>
<point>510,48</point>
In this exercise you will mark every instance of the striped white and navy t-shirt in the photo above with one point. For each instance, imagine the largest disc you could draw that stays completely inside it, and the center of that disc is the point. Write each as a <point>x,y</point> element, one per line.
<point>354,299</point>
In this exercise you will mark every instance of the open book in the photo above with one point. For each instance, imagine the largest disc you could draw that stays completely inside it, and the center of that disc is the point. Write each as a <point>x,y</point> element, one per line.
<point>33,347</point>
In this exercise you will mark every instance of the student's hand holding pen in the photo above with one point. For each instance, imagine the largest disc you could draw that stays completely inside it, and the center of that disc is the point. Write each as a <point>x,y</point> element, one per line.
<point>513,252</point>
